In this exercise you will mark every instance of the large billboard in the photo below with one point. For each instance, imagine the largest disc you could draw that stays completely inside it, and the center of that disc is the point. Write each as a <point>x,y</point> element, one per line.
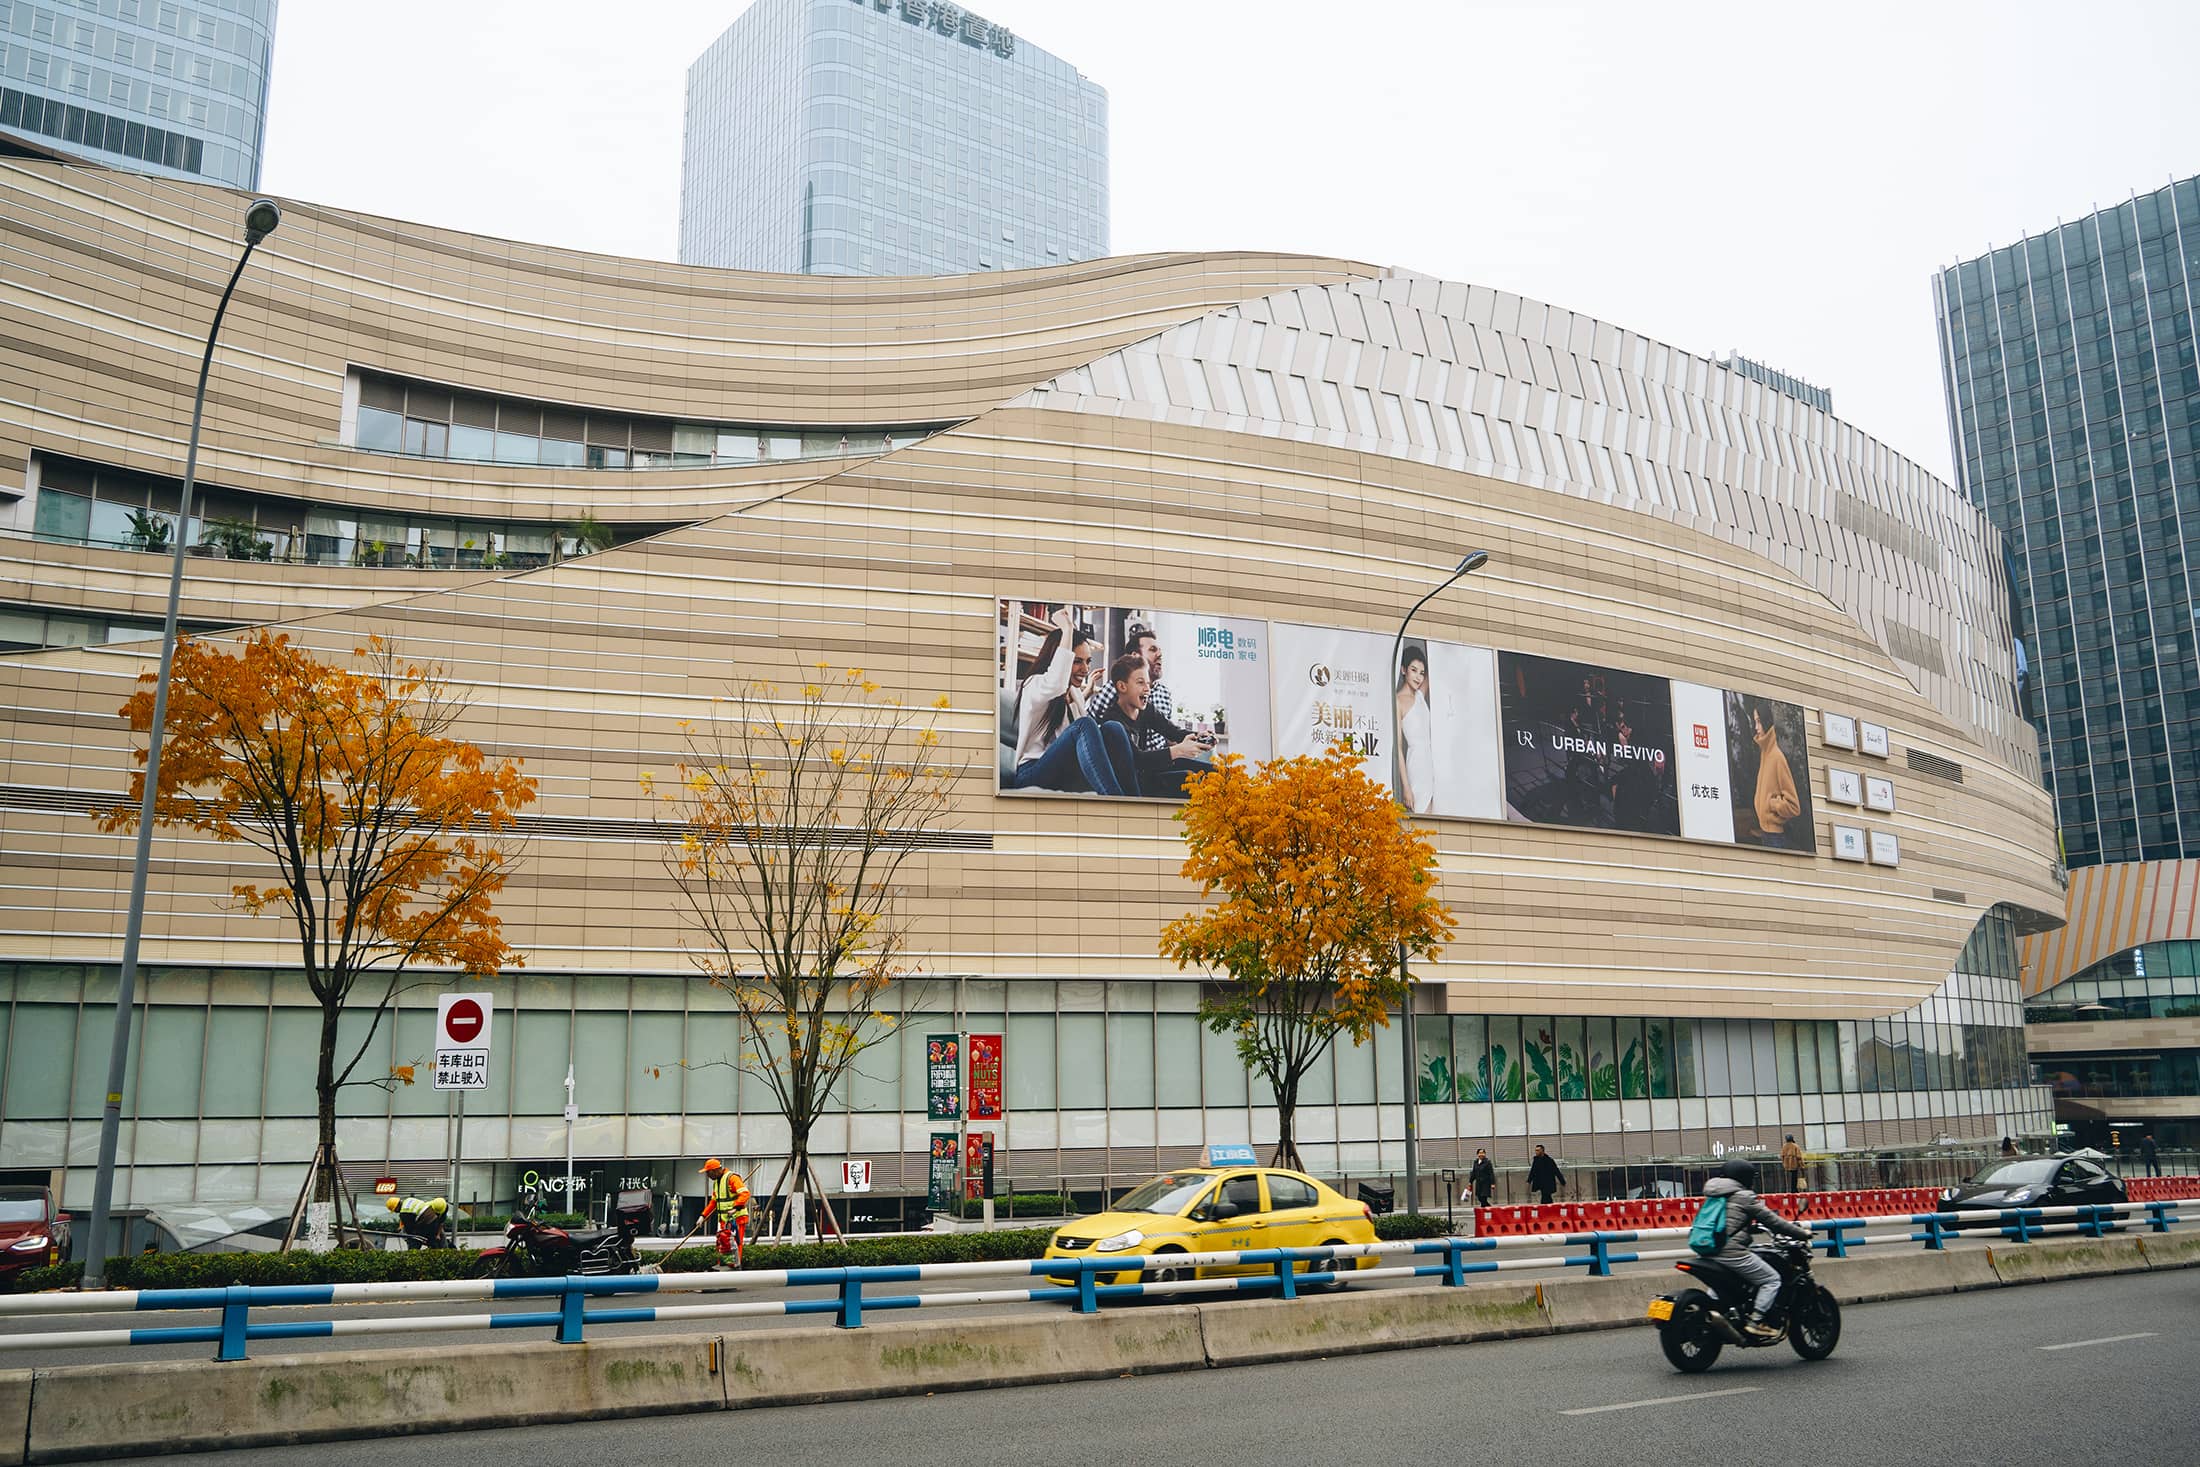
<point>1588,746</point>
<point>1126,702</point>
<point>1116,701</point>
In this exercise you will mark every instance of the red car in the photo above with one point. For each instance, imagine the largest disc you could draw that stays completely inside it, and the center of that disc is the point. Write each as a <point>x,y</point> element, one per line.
<point>32,1234</point>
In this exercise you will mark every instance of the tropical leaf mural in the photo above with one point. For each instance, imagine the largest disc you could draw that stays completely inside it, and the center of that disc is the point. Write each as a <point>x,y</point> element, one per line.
<point>1634,1079</point>
<point>1436,1086</point>
<point>1571,1086</point>
<point>1542,1083</point>
<point>1603,1079</point>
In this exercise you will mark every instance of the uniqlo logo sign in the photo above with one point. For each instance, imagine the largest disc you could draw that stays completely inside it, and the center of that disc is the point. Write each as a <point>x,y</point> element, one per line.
<point>1703,736</point>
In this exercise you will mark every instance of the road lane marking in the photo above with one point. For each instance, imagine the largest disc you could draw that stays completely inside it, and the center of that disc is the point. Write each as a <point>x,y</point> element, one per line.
<point>2105,1340</point>
<point>1661,1401</point>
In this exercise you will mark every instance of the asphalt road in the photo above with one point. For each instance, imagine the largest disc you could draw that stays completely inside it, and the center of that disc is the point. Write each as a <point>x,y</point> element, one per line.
<point>139,1354</point>
<point>2094,1370</point>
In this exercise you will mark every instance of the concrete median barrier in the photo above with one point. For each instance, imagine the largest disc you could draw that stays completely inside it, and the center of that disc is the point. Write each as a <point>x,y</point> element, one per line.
<point>2043,1262</point>
<point>179,1406</point>
<point>2170,1250</point>
<point>15,1415</point>
<point>1244,1332</point>
<point>1865,1277</point>
<point>783,1367</point>
<point>1608,1303</point>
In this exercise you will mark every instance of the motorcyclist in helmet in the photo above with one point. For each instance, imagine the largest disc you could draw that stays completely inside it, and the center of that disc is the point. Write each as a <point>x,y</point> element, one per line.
<point>1736,1181</point>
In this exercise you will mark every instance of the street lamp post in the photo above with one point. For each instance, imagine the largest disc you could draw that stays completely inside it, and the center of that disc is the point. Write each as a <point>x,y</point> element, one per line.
<point>259,222</point>
<point>1472,561</point>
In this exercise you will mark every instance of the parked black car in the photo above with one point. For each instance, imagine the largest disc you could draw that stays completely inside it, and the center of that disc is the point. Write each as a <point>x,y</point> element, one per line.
<point>2032,1181</point>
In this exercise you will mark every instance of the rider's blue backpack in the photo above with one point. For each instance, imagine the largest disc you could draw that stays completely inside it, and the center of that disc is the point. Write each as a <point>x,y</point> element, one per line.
<point>1708,1232</point>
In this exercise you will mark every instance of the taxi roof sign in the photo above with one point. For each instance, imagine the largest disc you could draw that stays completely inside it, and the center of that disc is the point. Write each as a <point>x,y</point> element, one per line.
<point>1234,1155</point>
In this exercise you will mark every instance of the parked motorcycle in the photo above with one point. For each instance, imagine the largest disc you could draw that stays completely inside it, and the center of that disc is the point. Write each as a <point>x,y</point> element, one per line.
<point>537,1250</point>
<point>1694,1326</point>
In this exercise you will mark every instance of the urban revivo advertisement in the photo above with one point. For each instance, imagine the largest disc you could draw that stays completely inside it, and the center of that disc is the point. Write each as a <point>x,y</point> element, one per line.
<point>985,1077</point>
<point>942,1077</point>
<point>1588,746</point>
<point>1114,701</point>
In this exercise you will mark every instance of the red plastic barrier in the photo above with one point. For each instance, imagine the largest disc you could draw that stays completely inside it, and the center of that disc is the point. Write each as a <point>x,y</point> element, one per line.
<point>1678,1212</point>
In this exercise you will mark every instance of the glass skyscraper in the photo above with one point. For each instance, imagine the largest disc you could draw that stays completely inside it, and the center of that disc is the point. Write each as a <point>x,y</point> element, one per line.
<point>173,87</point>
<point>888,137</point>
<point>2074,405</point>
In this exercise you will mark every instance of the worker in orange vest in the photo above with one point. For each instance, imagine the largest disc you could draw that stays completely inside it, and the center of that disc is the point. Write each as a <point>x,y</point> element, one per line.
<point>729,1203</point>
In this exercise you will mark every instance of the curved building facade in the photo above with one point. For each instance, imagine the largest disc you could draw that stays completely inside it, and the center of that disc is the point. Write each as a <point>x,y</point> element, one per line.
<point>1665,944</point>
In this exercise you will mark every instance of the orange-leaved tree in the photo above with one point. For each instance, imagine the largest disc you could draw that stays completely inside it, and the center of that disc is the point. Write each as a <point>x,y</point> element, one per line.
<point>797,810</point>
<point>1322,885</point>
<point>390,838</point>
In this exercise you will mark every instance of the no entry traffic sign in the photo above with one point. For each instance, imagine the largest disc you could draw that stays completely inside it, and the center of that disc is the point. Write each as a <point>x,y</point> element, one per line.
<point>462,1021</point>
<point>462,1041</point>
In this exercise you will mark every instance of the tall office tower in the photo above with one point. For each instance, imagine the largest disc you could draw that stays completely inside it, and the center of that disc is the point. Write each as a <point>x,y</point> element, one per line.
<point>2074,406</point>
<point>172,87</point>
<point>2074,402</point>
<point>888,137</point>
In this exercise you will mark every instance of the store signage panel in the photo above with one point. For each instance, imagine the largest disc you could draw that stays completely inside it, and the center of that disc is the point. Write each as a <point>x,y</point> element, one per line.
<point>1848,843</point>
<point>1840,731</point>
<point>1886,850</point>
<point>1844,787</point>
<point>1879,794</point>
<point>1872,739</point>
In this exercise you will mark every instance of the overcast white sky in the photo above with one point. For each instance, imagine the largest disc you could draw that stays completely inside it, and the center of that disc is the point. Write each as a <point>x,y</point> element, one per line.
<point>1779,179</point>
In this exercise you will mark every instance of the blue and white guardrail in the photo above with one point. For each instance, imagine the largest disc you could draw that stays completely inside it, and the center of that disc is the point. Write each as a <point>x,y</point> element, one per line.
<point>1283,1272</point>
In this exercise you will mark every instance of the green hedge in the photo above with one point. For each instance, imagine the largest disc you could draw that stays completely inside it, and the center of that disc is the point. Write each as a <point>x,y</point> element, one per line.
<point>1029,1204</point>
<point>1394,1226</point>
<point>352,1265</point>
<point>219,1270</point>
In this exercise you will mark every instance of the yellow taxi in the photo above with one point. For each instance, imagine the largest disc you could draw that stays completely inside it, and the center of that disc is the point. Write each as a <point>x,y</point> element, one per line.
<point>1216,1209</point>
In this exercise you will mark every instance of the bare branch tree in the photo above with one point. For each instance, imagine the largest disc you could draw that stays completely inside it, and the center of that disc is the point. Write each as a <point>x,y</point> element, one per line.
<point>797,810</point>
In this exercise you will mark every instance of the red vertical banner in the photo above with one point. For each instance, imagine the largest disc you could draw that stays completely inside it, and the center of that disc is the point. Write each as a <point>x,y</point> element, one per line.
<point>985,1077</point>
<point>978,1165</point>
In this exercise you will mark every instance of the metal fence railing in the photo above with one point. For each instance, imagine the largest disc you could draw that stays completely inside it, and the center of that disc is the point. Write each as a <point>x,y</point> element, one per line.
<point>1076,1282</point>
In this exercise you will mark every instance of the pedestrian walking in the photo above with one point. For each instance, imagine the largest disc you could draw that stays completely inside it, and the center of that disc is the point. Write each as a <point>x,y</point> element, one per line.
<point>1791,1162</point>
<point>2151,1153</point>
<point>1481,1177</point>
<point>1544,1176</point>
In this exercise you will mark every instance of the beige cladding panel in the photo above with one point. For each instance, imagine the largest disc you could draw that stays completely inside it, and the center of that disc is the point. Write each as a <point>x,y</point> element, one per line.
<point>584,672</point>
<point>893,564</point>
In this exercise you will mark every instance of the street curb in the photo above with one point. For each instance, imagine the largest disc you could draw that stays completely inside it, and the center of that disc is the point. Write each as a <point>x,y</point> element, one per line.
<point>69,1413</point>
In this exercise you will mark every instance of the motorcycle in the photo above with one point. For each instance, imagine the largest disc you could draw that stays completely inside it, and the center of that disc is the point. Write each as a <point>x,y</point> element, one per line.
<point>537,1250</point>
<point>1694,1326</point>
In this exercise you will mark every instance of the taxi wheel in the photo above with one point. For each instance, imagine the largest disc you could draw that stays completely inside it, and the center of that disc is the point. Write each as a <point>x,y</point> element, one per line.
<point>1340,1269</point>
<point>1167,1275</point>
